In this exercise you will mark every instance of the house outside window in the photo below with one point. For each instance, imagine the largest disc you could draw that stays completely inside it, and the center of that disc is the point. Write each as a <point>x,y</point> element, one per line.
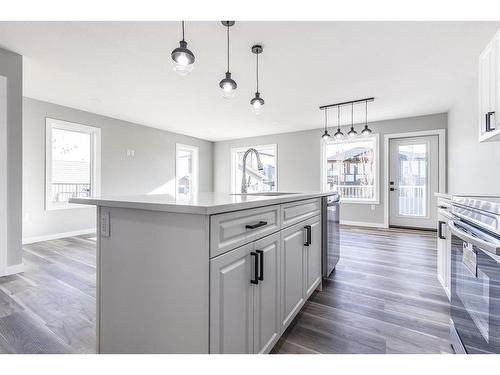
<point>186,170</point>
<point>72,163</point>
<point>257,181</point>
<point>350,167</point>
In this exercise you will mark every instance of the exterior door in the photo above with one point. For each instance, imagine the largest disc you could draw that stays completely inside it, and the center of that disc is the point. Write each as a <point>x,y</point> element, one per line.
<point>313,257</point>
<point>413,180</point>
<point>266,295</point>
<point>231,296</point>
<point>292,272</point>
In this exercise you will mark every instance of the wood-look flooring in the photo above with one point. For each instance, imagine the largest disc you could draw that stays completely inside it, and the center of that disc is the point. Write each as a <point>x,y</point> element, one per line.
<point>384,297</point>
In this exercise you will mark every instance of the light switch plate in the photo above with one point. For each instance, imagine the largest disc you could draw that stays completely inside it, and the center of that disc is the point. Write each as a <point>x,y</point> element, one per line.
<point>105,225</point>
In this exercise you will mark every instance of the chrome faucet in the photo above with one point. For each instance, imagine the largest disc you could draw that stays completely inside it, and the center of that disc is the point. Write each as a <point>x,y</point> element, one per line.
<point>260,167</point>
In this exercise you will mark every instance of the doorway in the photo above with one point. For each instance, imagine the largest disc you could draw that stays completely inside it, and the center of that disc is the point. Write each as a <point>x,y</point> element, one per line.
<point>413,180</point>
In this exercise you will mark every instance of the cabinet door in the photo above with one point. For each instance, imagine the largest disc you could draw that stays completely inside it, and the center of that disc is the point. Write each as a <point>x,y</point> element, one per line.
<point>313,257</point>
<point>231,301</point>
<point>486,84</point>
<point>266,295</point>
<point>292,272</point>
<point>447,261</point>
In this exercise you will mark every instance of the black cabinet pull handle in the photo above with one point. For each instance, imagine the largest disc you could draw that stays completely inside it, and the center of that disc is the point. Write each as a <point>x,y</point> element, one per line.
<point>255,279</point>
<point>308,235</point>
<point>261,266</point>
<point>253,226</point>
<point>440,230</point>
<point>488,121</point>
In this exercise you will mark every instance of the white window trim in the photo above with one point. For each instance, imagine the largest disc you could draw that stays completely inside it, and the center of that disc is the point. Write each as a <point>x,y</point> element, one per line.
<point>95,161</point>
<point>376,153</point>
<point>196,170</point>
<point>235,185</point>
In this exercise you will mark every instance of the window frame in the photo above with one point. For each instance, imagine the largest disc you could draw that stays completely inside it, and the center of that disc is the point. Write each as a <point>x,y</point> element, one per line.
<point>376,153</point>
<point>95,160</point>
<point>195,172</point>
<point>234,153</point>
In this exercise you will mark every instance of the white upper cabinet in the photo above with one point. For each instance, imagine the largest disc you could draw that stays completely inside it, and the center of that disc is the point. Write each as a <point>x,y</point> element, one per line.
<point>489,91</point>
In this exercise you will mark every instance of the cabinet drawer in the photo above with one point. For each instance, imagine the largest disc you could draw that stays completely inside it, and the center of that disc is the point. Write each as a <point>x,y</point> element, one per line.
<point>295,212</point>
<point>233,229</point>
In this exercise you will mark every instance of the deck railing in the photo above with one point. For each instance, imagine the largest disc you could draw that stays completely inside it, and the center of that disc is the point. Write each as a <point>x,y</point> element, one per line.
<point>354,191</point>
<point>62,192</point>
<point>412,200</point>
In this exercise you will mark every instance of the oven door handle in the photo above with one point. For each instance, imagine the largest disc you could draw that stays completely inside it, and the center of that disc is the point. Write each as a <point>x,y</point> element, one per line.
<point>479,243</point>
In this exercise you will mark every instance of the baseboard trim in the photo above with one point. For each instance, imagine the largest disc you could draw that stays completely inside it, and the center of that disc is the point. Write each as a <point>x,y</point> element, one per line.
<point>362,224</point>
<point>55,236</point>
<point>11,270</point>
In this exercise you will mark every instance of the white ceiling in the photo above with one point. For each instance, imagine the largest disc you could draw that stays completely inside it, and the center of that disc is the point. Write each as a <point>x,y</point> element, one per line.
<point>123,70</point>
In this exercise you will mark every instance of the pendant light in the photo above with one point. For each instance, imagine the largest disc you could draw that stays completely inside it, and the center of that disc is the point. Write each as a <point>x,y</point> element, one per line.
<point>228,85</point>
<point>352,132</point>
<point>338,134</point>
<point>326,136</point>
<point>366,130</point>
<point>182,57</point>
<point>257,102</point>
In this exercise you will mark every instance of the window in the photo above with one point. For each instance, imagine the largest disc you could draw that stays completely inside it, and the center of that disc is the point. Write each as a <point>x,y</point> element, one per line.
<point>257,181</point>
<point>350,167</point>
<point>186,170</point>
<point>72,163</point>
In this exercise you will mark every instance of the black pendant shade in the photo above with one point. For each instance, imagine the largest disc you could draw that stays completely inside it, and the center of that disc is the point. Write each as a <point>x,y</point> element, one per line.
<point>182,58</point>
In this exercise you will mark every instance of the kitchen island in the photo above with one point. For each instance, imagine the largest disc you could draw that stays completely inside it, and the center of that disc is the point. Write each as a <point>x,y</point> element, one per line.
<point>218,273</point>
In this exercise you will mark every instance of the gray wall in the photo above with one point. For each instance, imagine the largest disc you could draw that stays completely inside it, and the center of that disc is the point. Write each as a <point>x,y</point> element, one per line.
<point>153,165</point>
<point>473,167</point>
<point>299,160</point>
<point>11,66</point>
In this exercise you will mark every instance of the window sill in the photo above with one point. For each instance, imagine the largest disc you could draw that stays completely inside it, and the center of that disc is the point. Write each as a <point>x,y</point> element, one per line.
<point>358,201</point>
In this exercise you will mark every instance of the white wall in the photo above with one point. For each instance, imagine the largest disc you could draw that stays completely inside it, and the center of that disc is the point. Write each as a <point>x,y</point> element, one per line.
<point>11,154</point>
<point>299,160</point>
<point>473,167</point>
<point>152,167</point>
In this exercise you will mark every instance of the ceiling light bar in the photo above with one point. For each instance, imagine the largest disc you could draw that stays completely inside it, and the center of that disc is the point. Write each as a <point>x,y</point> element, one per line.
<point>346,103</point>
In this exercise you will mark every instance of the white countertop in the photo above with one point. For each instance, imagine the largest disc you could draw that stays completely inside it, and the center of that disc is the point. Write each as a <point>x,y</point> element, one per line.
<point>202,204</point>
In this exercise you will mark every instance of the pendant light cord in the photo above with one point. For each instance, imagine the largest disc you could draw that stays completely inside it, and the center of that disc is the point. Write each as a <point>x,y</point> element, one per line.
<point>338,117</point>
<point>366,114</point>
<point>227,48</point>
<point>258,72</point>
<point>352,115</point>
<point>326,119</point>
<point>183,31</point>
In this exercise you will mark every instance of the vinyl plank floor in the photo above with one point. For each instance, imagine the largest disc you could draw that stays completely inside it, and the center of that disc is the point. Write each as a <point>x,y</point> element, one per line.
<point>383,297</point>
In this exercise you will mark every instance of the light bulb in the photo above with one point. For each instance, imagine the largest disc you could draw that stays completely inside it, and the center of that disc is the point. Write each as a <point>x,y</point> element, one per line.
<point>182,59</point>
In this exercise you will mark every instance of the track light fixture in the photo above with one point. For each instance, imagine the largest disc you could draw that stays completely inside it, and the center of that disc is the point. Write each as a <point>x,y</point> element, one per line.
<point>257,102</point>
<point>366,130</point>
<point>338,134</point>
<point>182,57</point>
<point>228,85</point>
<point>326,135</point>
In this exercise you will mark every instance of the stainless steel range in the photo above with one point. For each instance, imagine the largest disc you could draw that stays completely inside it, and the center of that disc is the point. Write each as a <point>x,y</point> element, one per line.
<point>475,274</point>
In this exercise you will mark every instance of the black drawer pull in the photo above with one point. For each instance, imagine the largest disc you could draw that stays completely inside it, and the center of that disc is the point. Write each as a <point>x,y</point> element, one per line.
<point>261,266</point>
<point>254,226</point>
<point>488,121</point>
<point>440,230</point>
<point>308,235</point>
<point>255,279</point>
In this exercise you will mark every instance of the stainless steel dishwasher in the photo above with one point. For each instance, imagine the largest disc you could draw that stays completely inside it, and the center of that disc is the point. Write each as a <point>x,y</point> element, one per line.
<point>331,233</point>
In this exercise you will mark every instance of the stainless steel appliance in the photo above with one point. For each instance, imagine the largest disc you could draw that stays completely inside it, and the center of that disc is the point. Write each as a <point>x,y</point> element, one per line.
<point>331,232</point>
<point>475,274</point>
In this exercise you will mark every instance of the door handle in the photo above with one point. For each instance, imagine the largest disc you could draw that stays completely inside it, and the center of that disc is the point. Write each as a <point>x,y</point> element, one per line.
<point>255,279</point>
<point>257,225</point>
<point>261,266</point>
<point>488,121</point>
<point>308,235</point>
<point>440,230</point>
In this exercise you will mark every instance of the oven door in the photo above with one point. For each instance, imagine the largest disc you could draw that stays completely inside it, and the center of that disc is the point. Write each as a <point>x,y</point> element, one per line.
<point>475,289</point>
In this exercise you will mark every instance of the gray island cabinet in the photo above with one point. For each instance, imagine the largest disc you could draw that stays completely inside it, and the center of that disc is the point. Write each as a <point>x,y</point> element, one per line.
<point>218,273</point>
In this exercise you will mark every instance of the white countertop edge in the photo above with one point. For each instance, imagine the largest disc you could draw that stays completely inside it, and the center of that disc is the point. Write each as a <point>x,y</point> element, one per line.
<point>203,208</point>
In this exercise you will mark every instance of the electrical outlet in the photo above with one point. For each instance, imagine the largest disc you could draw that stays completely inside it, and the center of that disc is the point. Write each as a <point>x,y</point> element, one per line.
<point>130,152</point>
<point>372,206</point>
<point>105,225</point>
